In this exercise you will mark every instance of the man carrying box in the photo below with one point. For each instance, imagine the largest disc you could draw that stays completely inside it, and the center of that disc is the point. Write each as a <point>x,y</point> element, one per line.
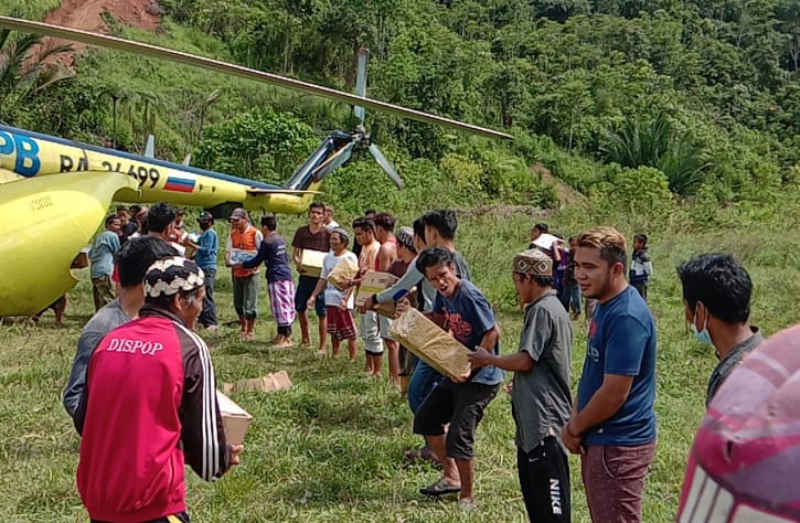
<point>315,237</point>
<point>541,398</point>
<point>370,328</point>
<point>339,303</point>
<point>150,405</point>
<point>463,309</point>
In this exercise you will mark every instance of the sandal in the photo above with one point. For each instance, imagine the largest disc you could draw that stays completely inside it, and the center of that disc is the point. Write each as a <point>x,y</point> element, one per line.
<point>421,454</point>
<point>440,488</point>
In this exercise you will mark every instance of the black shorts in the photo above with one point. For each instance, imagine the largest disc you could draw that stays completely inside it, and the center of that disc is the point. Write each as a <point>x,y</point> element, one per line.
<point>461,405</point>
<point>305,288</point>
<point>544,479</point>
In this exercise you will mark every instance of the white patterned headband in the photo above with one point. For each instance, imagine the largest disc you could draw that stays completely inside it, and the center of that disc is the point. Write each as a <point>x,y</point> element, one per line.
<point>533,262</point>
<point>168,276</point>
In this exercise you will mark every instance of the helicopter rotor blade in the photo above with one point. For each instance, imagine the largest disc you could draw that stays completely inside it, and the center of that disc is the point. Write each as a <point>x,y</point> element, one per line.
<point>361,82</point>
<point>386,165</point>
<point>121,44</point>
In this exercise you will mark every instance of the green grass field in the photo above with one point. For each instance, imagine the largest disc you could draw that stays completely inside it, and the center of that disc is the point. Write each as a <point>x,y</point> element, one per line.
<point>331,448</point>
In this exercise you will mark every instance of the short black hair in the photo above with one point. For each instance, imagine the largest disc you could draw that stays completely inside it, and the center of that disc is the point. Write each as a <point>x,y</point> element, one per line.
<point>720,283</point>
<point>541,281</point>
<point>122,208</point>
<point>385,221</point>
<point>316,205</point>
<point>134,209</point>
<point>110,218</point>
<point>364,223</point>
<point>444,221</point>
<point>642,238</point>
<point>269,221</point>
<point>432,257</point>
<point>542,227</point>
<point>137,255</point>
<point>419,228</point>
<point>160,216</point>
<point>342,234</point>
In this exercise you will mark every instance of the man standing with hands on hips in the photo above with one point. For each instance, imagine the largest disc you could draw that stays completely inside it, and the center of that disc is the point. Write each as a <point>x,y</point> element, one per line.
<point>613,424</point>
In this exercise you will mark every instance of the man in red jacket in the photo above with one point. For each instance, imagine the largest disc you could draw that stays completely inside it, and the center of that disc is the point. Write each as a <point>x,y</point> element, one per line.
<point>150,405</point>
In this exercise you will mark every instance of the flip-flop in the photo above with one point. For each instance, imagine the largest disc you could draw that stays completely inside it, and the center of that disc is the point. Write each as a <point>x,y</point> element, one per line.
<point>440,488</point>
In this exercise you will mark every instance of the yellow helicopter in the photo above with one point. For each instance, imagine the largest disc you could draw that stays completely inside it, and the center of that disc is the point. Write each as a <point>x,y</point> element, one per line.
<point>54,193</point>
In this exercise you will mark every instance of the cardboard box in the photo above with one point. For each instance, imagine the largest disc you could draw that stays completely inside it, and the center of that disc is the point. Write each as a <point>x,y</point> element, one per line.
<point>269,383</point>
<point>235,419</point>
<point>311,262</point>
<point>344,271</point>
<point>373,283</point>
<point>430,343</point>
<point>377,282</point>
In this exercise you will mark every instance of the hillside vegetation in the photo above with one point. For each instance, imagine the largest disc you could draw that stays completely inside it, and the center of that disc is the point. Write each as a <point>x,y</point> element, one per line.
<point>620,99</point>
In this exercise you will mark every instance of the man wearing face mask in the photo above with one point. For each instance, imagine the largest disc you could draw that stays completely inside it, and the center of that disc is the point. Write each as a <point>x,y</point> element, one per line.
<point>716,298</point>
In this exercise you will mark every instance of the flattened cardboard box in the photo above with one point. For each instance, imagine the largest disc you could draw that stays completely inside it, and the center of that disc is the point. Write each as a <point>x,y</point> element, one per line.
<point>311,262</point>
<point>269,383</point>
<point>429,342</point>
<point>235,419</point>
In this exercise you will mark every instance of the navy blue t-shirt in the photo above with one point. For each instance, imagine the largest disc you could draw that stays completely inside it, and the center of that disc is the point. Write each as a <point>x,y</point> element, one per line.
<point>470,316</point>
<point>273,253</point>
<point>622,340</point>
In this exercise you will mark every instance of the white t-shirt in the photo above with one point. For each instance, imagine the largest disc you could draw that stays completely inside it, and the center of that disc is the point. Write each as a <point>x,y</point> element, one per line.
<point>331,226</point>
<point>333,296</point>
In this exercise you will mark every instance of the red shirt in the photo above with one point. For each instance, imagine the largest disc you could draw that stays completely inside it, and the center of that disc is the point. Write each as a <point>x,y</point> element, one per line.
<point>149,406</point>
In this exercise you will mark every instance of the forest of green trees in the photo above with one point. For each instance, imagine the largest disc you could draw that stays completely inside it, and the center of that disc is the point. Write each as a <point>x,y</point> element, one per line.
<point>630,100</point>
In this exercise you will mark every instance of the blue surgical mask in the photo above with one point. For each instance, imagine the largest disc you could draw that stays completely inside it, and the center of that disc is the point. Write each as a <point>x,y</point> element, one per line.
<point>702,336</point>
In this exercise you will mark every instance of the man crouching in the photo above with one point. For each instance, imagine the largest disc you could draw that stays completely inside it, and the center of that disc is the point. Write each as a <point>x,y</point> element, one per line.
<point>150,404</point>
<point>466,313</point>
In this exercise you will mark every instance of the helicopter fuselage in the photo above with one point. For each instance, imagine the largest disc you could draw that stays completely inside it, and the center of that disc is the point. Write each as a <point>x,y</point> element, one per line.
<point>25,154</point>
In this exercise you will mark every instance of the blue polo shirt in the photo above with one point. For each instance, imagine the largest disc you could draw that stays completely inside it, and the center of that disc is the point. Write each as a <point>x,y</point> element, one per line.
<point>207,253</point>
<point>622,340</point>
<point>470,316</point>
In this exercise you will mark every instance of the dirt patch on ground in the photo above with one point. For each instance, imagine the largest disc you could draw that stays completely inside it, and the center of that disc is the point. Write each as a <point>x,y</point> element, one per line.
<point>88,16</point>
<point>566,194</point>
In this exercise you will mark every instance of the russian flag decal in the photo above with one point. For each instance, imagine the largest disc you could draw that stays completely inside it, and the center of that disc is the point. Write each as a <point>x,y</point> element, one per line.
<point>175,183</point>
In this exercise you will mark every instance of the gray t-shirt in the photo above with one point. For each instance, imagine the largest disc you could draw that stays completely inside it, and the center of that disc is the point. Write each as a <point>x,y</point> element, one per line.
<point>104,321</point>
<point>462,267</point>
<point>730,361</point>
<point>541,398</point>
